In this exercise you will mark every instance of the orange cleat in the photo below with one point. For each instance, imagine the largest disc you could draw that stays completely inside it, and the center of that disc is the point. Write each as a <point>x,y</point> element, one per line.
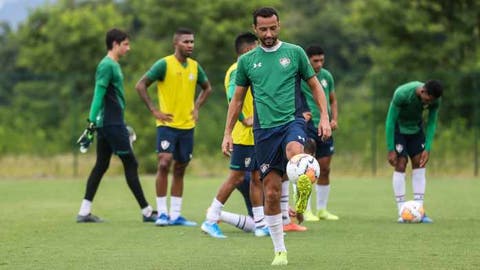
<point>293,227</point>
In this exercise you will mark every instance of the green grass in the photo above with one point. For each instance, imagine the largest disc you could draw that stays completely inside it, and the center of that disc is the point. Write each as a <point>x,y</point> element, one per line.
<point>38,229</point>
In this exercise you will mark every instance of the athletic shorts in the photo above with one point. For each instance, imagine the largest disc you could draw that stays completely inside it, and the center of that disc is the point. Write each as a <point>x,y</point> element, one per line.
<point>271,143</point>
<point>116,137</point>
<point>323,148</point>
<point>243,158</point>
<point>409,144</point>
<point>179,142</point>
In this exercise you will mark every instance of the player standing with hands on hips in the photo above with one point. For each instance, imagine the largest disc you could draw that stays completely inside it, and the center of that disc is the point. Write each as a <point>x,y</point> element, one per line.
<point>406,138</point>
<point>273,71</point>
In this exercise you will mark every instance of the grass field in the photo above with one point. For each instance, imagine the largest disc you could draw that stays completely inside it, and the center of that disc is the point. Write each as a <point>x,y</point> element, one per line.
<point>38,229</point>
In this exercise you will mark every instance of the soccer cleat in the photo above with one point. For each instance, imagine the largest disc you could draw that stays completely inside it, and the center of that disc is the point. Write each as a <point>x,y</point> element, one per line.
<point>162,220</point>
<point>280,258</point>
<point>212,229</point>
<point>309,216</point>
<point>324,214</point>
<point>293,227</point>
<point>426,219</point>
<point>88,219</point>
<point>304,188</point>
<point>181,221</point>
<point>261,232</point>
<point>152,218</point>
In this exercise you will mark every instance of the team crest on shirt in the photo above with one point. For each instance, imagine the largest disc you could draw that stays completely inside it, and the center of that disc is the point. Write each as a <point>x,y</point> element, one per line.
<point>324,83</point>
<point>191,77</point>
<point>284,61</point>
<point>164,144</point>
<point>264,167</point>
<point>247,161</point>
<point>399,148</point>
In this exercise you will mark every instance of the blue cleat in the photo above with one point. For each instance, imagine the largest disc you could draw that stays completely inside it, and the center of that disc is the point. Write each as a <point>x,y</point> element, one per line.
<point>261,232</point>
<point>426,219</point>
<point>212,229</point>
<point>181,221</point>
<point>162,220</point>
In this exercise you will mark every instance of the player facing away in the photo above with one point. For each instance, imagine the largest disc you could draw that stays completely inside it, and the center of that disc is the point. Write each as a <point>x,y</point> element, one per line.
<point>242,160</point>
<point>406,138</point>
<point>107,117</point>
<point>177,77</point>
<point>324,148</point>
<point>273,71</point>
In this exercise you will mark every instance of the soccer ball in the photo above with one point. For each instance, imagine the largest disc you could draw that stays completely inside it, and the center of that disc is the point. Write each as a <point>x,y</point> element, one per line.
<point>303,164</point>
<point>412,212</point>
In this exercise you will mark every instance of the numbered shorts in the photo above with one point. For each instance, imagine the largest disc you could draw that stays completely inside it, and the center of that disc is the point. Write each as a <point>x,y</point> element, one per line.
<point>243,158</point>
<point>179,142</point>
<point>409,144</point>
<point>115,138</point>
<point>323,148</point>
<point>271,143</point>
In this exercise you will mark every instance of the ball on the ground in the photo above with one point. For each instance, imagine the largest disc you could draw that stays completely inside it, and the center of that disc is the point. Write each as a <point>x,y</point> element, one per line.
<point>303,164</point>
<point>412,212</point>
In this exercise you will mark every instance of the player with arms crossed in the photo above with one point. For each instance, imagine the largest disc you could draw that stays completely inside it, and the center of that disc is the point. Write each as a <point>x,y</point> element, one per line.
<point>324,148</point>
<point>406,138</point>
<point>107,118</point>
<point>177,76</point>
<point>273,71</point>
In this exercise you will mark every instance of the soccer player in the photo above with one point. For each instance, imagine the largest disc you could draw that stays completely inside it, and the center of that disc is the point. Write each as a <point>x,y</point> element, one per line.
<point>242,160</point>
<point>107,117</point>
<point>406,138</point>
<point>273,71</point>
<point>324,148</point>
<point>178,76</point>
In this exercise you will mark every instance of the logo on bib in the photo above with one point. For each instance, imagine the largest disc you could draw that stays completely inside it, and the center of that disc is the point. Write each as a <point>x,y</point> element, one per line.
<point>284,62</point>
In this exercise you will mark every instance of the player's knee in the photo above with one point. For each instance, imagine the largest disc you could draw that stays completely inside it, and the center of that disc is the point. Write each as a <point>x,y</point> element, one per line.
<point>179,169</point>
<point>101,166</point>
<point>272,196</point>
<point>324,172</point>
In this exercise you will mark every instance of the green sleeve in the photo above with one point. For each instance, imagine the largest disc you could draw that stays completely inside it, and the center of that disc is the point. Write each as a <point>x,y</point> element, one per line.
<point>157,71</point>
<point>231,91</point>
<point>241,76</point>
<point>392,116</point>
<point>305,68</point>
<point>431,127</point>
<point>202,76</point>
<point>103,77</point>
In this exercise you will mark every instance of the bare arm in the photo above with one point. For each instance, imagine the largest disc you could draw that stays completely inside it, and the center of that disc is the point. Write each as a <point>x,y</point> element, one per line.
<point>234,109</point>
<point>202,97</point>
<point>142,87</point>
<point>333,106</point>
<point>324,129</point>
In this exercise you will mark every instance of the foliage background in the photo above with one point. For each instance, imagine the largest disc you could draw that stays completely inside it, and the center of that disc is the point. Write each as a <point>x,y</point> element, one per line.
<point>47,70</point>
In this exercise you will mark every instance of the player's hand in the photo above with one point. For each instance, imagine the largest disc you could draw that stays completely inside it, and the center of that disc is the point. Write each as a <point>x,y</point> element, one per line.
<point>163,117</point>
<point>424,158</point>
<point>333,125</point>
<point>307,116</point>
<point>324,129</point>
<point>195,114</point>
<point>227,145</point>
<point>392,158</point>
<point>248,122</point>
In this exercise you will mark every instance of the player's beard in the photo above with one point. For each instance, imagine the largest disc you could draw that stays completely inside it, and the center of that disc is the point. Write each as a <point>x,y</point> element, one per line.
<point>269,42</point>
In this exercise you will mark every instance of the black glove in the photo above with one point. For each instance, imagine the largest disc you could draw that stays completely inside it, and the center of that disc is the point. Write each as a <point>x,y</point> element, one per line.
<point>86,138</point>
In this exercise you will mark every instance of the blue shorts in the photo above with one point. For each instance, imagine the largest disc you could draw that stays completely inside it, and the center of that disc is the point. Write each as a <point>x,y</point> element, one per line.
<point>271,143</point>
<point>243,158</point>
<point>179,142</point>
<point>409,144</point>
<point>116,137</point>
<point>323,148</point>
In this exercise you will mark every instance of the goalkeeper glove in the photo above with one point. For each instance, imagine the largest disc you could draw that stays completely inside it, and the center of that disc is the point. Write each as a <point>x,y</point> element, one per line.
<point>86,138</point>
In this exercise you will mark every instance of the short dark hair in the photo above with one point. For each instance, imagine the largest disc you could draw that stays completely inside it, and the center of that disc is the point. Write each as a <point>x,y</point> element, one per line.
<point>184,31</point>
<point>265,12</point>
<point>310,147</point>
<point>114,35</point>
<point>243,39</point>
<point>434,88</point>
<point>314,50</point>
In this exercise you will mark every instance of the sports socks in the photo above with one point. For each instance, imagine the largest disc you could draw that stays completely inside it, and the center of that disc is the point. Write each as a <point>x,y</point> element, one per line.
<point>322,196</point>
<point>284,203</point>
<point>398,181</point>
<point>162,205</point>
<point>418,184</point>
<point>242,222</point>
<point>213,213</point>
<point>175,207</point>
<point>275,226</point>
<point>85,207</point>
<point>259,217</point>
<point>147,211</point>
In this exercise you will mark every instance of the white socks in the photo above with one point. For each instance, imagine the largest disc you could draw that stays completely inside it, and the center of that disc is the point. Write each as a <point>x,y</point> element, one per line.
<point>418,184</point>
<point>85,207</point>
<point>213,213</point>
<point>284,202</point>
<point>259,217</point>
<point>242,222</point>
<point>147,211</point>
<point>275,225</point>
<point>398,181</point>
<point>322,196</point>
<point>175,207</point>
<point>162,205</point>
